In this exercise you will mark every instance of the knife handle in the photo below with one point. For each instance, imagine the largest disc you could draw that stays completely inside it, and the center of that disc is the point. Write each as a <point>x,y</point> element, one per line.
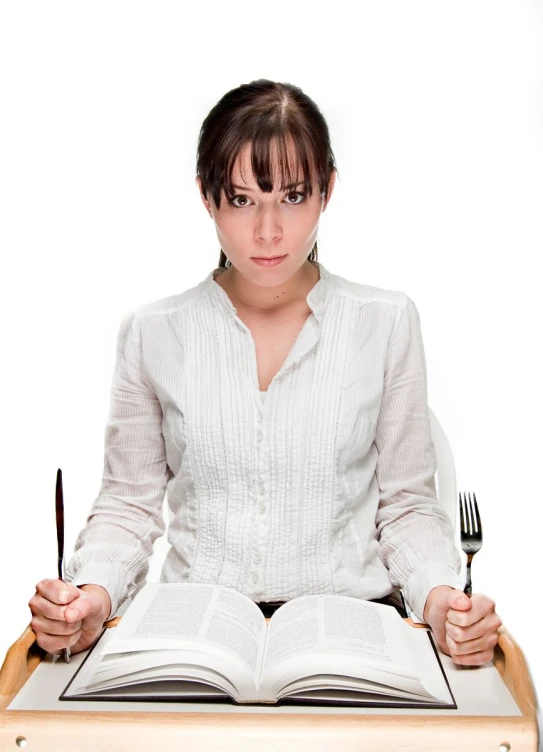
<point>66,652</point>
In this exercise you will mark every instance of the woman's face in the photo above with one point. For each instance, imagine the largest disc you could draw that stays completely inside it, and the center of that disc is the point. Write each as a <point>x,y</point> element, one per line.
<point>255,224</point>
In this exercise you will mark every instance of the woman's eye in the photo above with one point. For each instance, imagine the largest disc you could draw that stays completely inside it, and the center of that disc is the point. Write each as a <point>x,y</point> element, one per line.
<point>296,193</point>
<point>236,198</point>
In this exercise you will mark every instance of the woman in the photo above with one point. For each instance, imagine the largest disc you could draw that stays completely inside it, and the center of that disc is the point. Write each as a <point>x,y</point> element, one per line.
<point>282,407</point>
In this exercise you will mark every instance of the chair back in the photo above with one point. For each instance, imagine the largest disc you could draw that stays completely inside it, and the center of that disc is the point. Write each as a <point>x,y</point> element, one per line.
<point>446,474</point>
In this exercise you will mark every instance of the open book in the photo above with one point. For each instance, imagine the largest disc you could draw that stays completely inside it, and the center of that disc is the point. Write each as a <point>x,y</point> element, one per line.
<point>205,642</point>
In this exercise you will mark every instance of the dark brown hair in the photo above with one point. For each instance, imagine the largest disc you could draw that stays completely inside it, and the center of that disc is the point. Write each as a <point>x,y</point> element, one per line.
<point>264,112</point>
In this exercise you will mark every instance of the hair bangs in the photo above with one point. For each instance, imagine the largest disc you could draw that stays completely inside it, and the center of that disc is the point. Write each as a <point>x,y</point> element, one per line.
<point>280,161</point>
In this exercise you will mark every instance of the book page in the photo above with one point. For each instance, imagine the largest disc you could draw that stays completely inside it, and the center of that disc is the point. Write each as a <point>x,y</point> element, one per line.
<point>356,625</point>
<point>237,623</point>
<point>213,619</point>
<point>340,688</point>
<point>328,634</point>
<point>336,622</point>
<point>154,664</point>
<point>160,611</point>
<point>100,672</point>
<point>293,628</point>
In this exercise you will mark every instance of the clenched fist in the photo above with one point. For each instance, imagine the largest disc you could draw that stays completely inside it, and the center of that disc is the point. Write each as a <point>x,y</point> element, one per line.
<point>67,616</point>
<point>464,628</point>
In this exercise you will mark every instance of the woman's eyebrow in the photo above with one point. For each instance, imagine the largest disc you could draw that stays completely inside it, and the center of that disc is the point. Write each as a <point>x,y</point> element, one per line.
<point>250,190</point>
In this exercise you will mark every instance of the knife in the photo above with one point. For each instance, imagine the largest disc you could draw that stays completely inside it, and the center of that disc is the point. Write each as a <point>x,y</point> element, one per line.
<point>59,508</point>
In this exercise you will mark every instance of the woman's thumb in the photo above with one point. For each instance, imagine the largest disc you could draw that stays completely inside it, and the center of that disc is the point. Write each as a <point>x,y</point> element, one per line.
<point>81,607</point>
<point>460,600</point>
<point>73,613</point>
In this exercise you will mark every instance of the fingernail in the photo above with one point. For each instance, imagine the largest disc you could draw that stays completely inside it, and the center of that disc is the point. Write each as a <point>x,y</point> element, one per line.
<point>71,614</point>
<point>462,601</point>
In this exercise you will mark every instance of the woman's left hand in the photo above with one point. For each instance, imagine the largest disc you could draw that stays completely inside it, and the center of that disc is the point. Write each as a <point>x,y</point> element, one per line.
<point>464,628</point>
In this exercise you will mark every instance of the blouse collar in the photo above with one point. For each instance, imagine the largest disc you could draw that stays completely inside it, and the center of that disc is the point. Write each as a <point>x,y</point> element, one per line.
<point>315,299</point>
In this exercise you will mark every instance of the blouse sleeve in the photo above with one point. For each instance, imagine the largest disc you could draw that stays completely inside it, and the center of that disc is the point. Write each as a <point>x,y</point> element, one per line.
<point>114,547</point>
<point>414,531</point>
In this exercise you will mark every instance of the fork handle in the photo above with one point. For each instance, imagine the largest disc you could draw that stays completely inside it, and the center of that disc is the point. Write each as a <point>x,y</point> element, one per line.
<point>467,589</point>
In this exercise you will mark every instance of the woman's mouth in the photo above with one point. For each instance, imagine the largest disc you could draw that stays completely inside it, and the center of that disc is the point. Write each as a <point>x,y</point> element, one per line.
<point>268,260</point>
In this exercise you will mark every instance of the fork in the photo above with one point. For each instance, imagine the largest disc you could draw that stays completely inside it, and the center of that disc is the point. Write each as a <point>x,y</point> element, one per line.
<point>471,531</point>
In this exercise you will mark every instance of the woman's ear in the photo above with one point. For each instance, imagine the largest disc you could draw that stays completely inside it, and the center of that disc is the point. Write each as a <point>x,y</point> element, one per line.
<point>330,190</point>
<point>204,199</point>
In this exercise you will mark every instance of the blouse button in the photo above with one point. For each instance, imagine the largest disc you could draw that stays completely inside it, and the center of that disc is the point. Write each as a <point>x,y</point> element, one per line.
<point>262,508</point>
<point>254,577</point>
<point>257,558</point>
<point>259,435</point>
<point>259,418</point>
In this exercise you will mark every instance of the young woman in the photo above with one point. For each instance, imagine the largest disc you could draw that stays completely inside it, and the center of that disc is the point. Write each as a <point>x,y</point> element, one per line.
<point>282,407</point>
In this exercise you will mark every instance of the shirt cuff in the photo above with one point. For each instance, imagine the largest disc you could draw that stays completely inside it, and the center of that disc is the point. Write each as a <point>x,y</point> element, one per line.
<point>106,575</point>
<point>429,575</point>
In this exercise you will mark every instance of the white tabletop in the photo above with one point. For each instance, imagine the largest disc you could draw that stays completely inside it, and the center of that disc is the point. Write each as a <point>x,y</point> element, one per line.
<point>477,692</point>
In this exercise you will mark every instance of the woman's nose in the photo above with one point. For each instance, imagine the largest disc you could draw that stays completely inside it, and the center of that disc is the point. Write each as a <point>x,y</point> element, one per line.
<point>268,224</point>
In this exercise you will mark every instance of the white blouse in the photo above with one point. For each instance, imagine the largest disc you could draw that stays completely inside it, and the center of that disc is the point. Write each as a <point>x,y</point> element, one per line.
<point>324,484</point>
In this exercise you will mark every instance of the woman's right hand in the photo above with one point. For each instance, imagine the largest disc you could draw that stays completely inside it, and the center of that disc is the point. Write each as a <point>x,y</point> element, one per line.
<point>67,616</point>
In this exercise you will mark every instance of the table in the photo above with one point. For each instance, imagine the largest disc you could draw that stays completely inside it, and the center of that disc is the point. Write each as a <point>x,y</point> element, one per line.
<point>496,711</point>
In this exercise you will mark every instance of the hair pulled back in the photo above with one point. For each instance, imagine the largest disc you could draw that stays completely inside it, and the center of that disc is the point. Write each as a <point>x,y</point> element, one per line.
<point>263,113</point>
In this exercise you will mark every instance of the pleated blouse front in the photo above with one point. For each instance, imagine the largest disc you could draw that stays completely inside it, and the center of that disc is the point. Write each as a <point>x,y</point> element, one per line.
<point>323,484</point>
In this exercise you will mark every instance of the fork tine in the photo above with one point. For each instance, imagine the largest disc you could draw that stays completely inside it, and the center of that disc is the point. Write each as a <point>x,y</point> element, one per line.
<point>469,507</point>
<point>476,510</point>
<point>462,520</point>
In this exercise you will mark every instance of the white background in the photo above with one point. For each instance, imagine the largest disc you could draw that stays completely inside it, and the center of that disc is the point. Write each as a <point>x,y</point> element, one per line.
<point>436,116</point>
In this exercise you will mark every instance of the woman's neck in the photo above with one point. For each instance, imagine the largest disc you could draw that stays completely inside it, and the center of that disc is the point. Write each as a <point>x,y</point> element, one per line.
<point>260,301</point>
